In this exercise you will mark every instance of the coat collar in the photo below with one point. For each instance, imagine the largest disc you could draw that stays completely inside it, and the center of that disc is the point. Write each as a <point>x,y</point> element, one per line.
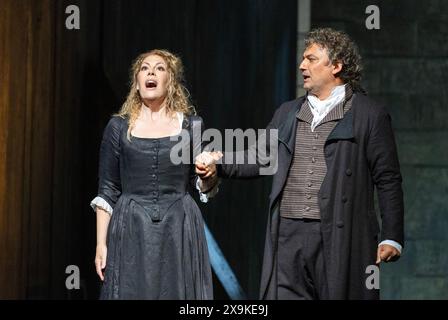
<point>342,131</point>
<point>306,115</point>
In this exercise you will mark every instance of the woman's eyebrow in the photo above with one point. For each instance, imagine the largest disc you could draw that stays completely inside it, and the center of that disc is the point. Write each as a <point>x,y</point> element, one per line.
<point>158,63</point>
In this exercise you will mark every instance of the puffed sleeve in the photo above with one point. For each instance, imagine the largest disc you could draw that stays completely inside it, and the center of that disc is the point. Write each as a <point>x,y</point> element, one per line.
<point>109,186</point>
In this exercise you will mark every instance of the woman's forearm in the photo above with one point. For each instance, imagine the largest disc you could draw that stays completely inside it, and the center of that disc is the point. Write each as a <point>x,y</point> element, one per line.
<point>102,223</point>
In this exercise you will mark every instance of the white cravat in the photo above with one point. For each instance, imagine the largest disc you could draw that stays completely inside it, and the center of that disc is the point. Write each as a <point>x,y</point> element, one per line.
<point>320,108</point>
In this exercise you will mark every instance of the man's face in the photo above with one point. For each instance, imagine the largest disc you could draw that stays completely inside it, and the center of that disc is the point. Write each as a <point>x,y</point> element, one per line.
<point>317,71</point>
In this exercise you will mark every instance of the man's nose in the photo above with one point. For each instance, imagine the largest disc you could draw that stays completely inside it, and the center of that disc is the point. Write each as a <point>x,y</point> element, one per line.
<point>302,65</point>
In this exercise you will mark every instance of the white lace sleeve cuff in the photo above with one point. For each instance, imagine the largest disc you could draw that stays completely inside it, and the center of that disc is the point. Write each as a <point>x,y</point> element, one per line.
<point>210,194</point>
<point>100,202</point>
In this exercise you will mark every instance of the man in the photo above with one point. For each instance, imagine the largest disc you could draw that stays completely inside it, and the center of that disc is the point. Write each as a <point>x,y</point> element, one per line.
<point>334,146</point>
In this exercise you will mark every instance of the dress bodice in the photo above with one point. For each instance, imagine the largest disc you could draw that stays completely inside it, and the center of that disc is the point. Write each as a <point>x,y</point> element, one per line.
<point>149,176</point>
<point>147,170</point>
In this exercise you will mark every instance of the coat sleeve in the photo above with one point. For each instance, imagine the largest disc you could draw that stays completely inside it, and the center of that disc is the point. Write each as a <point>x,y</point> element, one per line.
<point>385,170</point>
<point>261,155</point>
<point>109,187</point>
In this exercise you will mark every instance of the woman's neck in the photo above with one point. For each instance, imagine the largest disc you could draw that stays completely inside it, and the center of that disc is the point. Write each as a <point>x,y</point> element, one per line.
<point>153,112</point>
<point>154,108</point>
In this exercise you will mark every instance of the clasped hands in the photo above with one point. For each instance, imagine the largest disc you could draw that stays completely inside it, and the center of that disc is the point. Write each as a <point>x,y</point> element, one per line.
<point>206,169</point>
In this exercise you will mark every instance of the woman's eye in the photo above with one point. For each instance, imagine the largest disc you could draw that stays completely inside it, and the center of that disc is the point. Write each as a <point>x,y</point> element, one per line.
<point>161,68</point>
<point>144,68</point>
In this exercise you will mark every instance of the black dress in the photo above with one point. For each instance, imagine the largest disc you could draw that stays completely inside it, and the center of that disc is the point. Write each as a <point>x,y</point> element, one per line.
<point>156,241</point>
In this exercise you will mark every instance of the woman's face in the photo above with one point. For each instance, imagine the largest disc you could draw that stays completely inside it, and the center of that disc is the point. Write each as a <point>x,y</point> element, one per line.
<point>152,79</point>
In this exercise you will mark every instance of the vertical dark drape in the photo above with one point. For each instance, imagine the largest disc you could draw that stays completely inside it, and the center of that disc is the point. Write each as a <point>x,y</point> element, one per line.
<point>239,58</point>
<point>26,117</point>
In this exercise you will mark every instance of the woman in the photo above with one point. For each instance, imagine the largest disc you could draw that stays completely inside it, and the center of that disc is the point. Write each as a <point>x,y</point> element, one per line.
<point>150,232</point>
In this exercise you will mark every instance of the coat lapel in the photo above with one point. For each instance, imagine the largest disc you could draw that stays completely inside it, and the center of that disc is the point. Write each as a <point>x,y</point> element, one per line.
<point>344,129</point>
<point>287,130</point>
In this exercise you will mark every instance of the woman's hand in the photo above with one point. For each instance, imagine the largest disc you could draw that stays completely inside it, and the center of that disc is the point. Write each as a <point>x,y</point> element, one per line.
<point>206,164</point>
<point>100,260</point>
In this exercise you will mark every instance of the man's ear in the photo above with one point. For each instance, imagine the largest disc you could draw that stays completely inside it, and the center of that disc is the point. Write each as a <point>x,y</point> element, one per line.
<point>337,67</point>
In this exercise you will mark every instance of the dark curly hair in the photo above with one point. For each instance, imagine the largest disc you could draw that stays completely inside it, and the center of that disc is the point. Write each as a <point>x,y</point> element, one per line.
<point>340,49</point>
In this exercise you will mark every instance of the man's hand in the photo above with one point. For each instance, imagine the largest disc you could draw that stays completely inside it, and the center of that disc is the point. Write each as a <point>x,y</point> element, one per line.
<point>206,164</point>
<point>387,253</point>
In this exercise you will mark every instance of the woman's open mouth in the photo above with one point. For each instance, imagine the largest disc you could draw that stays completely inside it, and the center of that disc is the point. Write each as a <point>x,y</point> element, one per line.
<point>150,84</point>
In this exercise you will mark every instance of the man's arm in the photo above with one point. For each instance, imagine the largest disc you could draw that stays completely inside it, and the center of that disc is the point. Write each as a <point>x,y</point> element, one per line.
<point>385,169</point>
<point>259,159</point>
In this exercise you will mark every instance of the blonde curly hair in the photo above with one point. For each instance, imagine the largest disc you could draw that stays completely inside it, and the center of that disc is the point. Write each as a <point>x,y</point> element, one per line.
<point>177,98</point>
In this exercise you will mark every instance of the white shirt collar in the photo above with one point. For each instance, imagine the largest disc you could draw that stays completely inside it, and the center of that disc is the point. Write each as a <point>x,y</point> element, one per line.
<point>320,108</point>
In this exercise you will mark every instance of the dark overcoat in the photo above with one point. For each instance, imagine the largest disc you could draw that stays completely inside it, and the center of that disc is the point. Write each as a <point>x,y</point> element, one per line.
<point>360,154</point>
